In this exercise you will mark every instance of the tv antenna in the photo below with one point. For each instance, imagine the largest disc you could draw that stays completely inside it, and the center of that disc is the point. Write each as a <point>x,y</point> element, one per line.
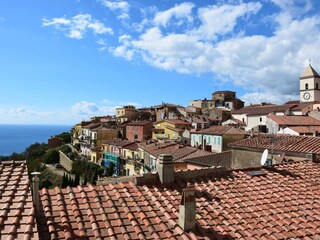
<point>264,157</point>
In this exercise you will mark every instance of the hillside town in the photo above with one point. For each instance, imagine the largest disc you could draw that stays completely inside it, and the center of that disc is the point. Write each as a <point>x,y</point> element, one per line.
<point>134,138</point>
<point>215,169</point>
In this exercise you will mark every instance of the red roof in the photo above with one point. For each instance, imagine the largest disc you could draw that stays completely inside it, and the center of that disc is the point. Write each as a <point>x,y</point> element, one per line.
<point>175,121</point>
<point>270,108</point>
<point>306,129</point>
<point>175,149</point>
<point>221,130</point>
<point>294,120</point>
<point>263,110</point>
<point>299,144</point>
<point>139,123</point>
<point>281,203</point>
<point>17,214</point>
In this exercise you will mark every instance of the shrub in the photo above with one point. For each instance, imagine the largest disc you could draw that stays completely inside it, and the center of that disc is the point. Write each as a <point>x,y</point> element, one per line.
<point>65,149</point>
<point>51,156</point>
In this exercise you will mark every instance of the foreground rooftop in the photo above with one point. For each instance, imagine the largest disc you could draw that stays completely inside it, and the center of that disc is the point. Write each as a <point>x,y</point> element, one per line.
<point>17,214</point>
<point>270,203</point>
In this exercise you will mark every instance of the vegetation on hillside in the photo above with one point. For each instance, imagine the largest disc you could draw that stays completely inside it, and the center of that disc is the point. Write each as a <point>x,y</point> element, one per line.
<point>37,155</point>
<point>65,136</point>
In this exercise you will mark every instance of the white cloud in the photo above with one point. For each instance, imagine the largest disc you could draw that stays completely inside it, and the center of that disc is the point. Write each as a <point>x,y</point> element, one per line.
<point>129,103</point>
<point>24,114</point>
<point>84,108</point>
<point>118,6</point>
<point>266,65</point>
<point>73,114</point>
<point>218,20</point>
<point>77,26</point>
<point>181,11</point>
<point>269,97</point>
<point>294,7</point>
<point>124,50</point>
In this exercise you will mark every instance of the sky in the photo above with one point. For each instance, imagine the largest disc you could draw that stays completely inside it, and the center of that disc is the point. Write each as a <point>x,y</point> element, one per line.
<point>62,62</point>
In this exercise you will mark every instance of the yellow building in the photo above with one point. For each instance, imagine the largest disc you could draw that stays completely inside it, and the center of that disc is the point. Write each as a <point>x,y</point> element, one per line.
<point>124,111</point>
<point>131,157</point>
<point>169,129</point>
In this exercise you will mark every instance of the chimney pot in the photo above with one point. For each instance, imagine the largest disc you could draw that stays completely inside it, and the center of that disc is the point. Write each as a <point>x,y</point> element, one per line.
<point>165,169</point>
<point>187,209</point>
<point>35,190</point>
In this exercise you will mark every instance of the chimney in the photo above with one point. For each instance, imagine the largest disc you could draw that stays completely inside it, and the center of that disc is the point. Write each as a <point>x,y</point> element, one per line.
<point>35,190</point>
<point>311,156</point>
<point>187,209</point>
<point>165,169</point>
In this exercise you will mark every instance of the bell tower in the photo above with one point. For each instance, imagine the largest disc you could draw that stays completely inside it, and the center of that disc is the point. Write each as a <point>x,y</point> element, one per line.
<point>309,85</point>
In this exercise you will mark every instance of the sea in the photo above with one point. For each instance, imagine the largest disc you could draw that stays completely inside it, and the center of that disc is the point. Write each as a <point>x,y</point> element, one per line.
<point>16,138</point>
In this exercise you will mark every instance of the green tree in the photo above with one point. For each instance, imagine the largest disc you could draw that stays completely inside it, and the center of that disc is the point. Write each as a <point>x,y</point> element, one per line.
<point>77,180</point>
<point>77,146</point>
<point>64,182</point>
<point>95,177</point>
<point>35,150</point>
<point>72,155</point>
<point>51,156</point>
<point>65,136</point>
<point>65,149</point>
<point>17,156</point>
<point>85,180</point>
<point>110,169</point>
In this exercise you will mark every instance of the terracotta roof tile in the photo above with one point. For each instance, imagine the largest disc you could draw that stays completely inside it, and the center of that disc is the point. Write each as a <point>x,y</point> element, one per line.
<point>221,130</point>
<point>295,120</point>
<point>263,110</point>
<point>300,144</point>
<point>175,121</point>
<point>236,205</point>
<point>305,129</point>
<point>17,214</point>
<point>178,151</point>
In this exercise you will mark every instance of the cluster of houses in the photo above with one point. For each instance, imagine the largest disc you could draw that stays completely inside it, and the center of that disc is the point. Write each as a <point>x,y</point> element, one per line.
<point>201,179</point>
<point>134,138</point>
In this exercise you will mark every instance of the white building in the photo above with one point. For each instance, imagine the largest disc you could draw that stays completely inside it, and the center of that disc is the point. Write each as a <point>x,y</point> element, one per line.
<point>255,116</point>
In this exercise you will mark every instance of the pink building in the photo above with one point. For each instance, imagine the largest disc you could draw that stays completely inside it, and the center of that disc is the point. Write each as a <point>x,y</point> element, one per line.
<point>139,131</point>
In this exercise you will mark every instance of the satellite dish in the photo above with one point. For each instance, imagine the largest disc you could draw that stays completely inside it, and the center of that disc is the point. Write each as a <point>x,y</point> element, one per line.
<point>264,157</point>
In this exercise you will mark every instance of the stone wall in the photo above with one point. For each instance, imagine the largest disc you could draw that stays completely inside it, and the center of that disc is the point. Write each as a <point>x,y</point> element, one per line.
<point>246,158</point>
<point>190,174</point>
<point>65,161</point>
<point>112,180</point>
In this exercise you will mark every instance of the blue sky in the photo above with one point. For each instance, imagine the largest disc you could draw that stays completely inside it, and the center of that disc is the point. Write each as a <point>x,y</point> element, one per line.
<point>65,61</point>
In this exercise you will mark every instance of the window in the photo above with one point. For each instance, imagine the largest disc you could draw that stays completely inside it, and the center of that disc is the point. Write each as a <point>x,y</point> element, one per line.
<point>218,140</point>
<point>317,86</point>
<point>306,86</point>
<point>242,119</point>
<point>261,119</point>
